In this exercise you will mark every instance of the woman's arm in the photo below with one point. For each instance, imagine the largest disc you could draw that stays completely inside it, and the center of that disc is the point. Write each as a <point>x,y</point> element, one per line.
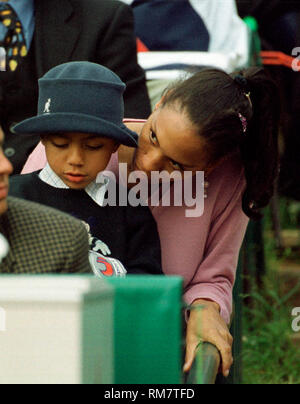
<point>206,324</point>
<point>212,286</point>
<point>36,161</point>
<point>215,276</point>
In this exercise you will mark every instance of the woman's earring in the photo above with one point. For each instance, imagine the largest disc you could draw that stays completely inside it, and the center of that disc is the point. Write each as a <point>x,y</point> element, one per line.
<point>206,186</point>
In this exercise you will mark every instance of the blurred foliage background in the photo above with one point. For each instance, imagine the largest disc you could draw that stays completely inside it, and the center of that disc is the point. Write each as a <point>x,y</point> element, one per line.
<point>271,349</point>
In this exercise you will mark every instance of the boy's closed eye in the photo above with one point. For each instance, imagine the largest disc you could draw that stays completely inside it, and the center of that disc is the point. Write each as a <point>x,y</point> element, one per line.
<point>82,141</point>
<point>64,144</point>
<point>60,145</point>
<point>94,147</point>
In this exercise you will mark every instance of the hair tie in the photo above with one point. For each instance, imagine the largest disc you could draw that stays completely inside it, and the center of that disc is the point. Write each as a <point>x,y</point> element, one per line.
<point>242,82</point>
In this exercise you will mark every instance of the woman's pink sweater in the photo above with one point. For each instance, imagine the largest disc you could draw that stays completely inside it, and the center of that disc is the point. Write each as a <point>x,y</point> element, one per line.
<point>203,250</point>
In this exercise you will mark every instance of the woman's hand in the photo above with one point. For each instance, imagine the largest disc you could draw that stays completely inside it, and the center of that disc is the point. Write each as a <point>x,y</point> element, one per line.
<point>207,325</point>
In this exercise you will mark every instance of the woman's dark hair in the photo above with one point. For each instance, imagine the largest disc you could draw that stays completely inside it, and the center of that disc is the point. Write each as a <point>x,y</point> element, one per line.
<point>236,112</point>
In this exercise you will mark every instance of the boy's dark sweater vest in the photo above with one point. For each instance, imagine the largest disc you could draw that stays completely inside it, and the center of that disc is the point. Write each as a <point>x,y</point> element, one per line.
<point>130,233</point>
<point>18,101</point>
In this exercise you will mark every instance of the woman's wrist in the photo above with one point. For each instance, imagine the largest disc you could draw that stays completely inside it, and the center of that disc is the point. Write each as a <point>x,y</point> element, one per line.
<point>207,304</point>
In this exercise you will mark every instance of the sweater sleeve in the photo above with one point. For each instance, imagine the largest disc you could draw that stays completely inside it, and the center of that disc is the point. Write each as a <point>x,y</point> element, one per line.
<point>36,161</point>
<point>143,243</point>
<point>215,276</point>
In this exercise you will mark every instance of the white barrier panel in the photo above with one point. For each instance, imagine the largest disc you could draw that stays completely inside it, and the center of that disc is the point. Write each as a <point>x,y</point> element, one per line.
<point>58,330</point>
<point>158,65</point>
<point>2,320</point>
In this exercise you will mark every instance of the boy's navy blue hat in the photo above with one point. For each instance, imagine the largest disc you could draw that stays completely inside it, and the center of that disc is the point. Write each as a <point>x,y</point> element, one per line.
<point>80,97</point>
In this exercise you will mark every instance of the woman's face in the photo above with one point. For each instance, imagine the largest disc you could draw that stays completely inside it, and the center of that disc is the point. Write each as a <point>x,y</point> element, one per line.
<point>169,142</point>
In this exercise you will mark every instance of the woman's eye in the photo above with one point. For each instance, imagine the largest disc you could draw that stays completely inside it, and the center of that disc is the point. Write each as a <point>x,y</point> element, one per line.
<point>153,137</point>
<point>177,166</point>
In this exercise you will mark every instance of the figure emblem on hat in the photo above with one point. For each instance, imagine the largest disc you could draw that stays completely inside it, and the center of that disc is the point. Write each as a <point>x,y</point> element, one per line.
<point>47,106</point>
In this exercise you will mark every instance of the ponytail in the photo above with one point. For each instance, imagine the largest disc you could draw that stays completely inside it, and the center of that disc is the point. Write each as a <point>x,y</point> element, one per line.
<point>260,151</point>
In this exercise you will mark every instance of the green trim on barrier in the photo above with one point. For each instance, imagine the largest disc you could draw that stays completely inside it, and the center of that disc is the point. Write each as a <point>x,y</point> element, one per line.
<point>148,330</point>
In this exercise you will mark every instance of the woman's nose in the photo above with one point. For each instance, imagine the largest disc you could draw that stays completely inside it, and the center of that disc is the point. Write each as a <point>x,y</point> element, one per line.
<point>152,161</point>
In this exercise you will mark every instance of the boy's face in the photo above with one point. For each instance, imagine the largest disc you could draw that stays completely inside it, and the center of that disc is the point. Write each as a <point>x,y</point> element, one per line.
<point>77,158</point>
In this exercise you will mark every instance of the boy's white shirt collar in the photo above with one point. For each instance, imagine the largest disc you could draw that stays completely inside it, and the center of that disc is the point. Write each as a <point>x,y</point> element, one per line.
<point>95,190</point>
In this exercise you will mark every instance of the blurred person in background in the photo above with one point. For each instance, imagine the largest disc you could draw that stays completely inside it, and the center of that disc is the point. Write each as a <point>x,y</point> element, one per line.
<point>189,35</point>
<point>189,25</point>
<point>41,34</point>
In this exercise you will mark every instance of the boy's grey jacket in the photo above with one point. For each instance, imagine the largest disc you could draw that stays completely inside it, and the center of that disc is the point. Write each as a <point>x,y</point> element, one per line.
<point>42,240</point>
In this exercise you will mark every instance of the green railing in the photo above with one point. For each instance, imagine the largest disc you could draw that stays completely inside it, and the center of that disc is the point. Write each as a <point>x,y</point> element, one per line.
<point>206,365</point>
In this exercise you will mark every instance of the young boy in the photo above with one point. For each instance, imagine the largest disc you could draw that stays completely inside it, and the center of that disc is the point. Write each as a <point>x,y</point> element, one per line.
<point>80,120</point>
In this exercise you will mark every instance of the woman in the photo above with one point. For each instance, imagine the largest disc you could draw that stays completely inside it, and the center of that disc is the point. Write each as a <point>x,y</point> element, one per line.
<point>226,126</point>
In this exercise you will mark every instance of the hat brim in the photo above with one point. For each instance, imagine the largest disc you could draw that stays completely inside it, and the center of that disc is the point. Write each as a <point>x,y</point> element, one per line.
<point>67,122</point>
